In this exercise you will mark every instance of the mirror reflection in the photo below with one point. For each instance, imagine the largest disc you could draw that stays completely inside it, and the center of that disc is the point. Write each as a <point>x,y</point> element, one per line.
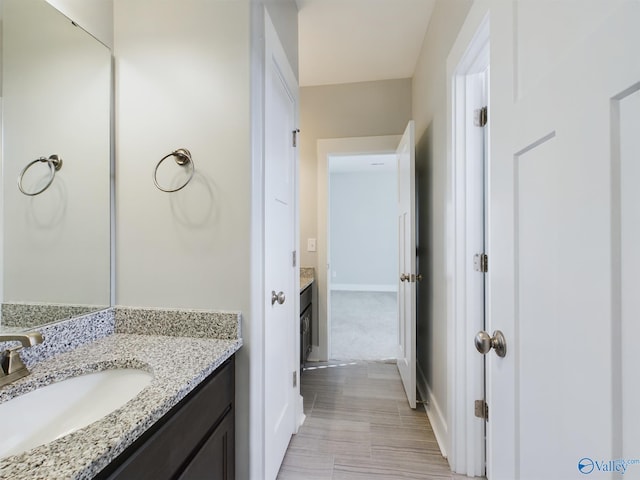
<point>56,105</point>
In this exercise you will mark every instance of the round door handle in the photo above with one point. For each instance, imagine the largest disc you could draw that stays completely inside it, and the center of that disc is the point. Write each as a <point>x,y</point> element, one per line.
<point>419,277</point>
<point>277,297</point>
<point>404,278</point>
<point>484,342</point>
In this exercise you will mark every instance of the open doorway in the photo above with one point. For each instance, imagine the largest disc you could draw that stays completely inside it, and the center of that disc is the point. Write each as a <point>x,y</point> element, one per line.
<point>363,254</point>
<point>326,149</point>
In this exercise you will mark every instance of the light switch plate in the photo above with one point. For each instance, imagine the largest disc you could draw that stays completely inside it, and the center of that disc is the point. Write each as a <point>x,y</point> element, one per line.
<point>311,244</point>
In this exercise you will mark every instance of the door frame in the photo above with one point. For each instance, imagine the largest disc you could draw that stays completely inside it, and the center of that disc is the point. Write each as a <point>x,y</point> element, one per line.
<point>466,447</point>
<point>386,144</point>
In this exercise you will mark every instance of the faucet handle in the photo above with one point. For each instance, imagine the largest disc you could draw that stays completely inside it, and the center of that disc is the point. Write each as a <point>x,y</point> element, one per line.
<point>12,362</point>
<point>11,365</point>
<point>4,363</point>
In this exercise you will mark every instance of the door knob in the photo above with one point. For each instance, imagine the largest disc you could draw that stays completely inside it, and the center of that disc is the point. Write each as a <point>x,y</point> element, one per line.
<point>404,278</point>
<point>484,342</point>
<point>277,297</point>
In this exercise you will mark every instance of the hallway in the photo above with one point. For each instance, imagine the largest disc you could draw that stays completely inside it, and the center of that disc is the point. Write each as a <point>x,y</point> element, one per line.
<point>359,426</point>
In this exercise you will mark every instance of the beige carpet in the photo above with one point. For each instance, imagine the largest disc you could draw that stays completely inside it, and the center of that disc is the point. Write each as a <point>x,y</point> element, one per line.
<point>363,325</point>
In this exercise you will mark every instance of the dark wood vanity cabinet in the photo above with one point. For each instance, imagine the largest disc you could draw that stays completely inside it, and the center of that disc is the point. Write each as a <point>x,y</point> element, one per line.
<point>306,323</point>
<point>193,441</point>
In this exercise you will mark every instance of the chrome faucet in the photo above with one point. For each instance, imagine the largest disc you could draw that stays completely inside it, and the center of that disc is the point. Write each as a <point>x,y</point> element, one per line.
<point>11,366</point>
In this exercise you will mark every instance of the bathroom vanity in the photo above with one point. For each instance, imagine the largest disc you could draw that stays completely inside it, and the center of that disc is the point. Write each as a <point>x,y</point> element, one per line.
<point>194,440</point>
<point>179,426</point>
<point>306,323</point>
<point>306,314</point>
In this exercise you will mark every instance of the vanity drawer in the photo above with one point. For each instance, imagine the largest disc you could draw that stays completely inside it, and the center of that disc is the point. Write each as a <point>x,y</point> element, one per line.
<point>166,450</point>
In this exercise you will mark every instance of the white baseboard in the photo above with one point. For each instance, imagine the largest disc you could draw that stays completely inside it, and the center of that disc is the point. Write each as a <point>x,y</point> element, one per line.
<point>438,423</point>
<point>301,416</point>
<point>363,288</point>
<point>314,355</point>
<point>437,420</point>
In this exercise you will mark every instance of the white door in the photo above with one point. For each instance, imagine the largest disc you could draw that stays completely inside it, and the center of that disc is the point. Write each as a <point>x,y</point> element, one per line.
<point>279,296</point>
<point>407,262</point>
<point>564,238</point>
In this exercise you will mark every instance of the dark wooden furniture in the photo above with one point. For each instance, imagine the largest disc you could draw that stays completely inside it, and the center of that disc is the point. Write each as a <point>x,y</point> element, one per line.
<point>306,322</point>
<point>194,441</point>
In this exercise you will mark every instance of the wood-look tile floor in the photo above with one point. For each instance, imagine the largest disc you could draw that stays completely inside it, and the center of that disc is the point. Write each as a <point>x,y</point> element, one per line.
<point>359,426</point>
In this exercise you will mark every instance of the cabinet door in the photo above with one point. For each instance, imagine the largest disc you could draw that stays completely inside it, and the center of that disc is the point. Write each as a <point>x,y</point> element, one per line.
<point>163,450</point>
<point>215,460</point>
<point>305,345</point>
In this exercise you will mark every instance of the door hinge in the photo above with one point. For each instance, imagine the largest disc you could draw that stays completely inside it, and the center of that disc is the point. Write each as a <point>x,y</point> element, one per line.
<point>295,137</point>
<point>293,257</point>
<point>481,116</point>
<point>295,379</point>
<point>481,262</point>
<point>482,409</point>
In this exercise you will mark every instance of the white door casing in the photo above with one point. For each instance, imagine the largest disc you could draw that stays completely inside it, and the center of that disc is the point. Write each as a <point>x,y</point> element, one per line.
<point>562,219</point>
<point>466,225</point>
<point>407,262</point>
<point>280,296</point>
<point>477,87</point>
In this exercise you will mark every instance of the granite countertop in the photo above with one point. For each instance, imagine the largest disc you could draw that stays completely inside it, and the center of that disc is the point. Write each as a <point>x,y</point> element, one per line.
<point>178,365</point>
<point>307,277</point>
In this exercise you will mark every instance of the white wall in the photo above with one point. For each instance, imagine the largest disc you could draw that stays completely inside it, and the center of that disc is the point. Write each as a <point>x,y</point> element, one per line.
<point>182,85</point>
<point>363,230</point>
<point>57,82</point>
<point>195,83</point>
<point>429,88</point>
<point>185,85</point>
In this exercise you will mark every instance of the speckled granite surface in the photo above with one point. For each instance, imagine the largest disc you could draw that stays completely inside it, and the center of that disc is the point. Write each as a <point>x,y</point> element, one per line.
<point>307,276</point>
<point>199,342</point>
<point>27,315</point>
<point>178,323</point>
<point>82,454</point>
<point>65,336</point>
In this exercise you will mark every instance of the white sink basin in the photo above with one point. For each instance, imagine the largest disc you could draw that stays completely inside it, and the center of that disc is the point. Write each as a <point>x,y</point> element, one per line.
<point>51,412</point>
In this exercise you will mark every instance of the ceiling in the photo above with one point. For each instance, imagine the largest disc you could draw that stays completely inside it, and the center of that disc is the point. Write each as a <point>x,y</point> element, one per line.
<point>346,41</point>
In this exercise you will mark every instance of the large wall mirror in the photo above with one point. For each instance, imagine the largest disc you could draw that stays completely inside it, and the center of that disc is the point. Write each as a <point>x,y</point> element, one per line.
<point>56,105</point>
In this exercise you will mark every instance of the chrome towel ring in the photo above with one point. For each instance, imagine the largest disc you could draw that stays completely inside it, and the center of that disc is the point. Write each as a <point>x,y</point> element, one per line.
<point>55,164</point>
<point>183,157</point>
